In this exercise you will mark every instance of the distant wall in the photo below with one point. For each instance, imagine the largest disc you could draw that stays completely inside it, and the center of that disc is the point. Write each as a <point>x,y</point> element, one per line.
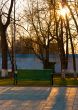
<point>31,62</point>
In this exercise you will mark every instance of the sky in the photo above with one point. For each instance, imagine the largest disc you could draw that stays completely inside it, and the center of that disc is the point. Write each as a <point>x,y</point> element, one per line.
<point>20,6</point>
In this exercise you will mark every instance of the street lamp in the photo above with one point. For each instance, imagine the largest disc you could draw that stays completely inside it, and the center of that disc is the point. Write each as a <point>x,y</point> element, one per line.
<point>14,68</point>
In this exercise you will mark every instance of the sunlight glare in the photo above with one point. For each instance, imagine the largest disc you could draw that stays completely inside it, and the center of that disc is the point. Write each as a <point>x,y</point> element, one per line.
<point>63,11</point>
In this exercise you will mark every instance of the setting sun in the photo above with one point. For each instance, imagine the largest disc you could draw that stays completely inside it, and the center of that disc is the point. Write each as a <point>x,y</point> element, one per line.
<point>63,11</point>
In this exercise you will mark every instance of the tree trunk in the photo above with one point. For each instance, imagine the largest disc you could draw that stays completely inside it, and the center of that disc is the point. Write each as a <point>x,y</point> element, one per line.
<point>3,29</point>
<point>72,48</point>
<point>67,49</point>
<point>4,54</point>
<point>73,55</point>
<point>45,64</point>
<point>62,51</point>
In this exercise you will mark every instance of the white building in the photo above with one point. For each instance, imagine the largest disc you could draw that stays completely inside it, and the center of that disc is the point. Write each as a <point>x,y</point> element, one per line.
<point>32,62</point>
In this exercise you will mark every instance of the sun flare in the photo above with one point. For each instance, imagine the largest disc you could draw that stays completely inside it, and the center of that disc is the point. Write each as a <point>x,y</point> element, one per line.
<point>63,11</point>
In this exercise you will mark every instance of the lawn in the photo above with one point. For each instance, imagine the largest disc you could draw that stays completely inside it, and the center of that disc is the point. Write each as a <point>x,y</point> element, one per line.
<point>6,82</point>
<point>56,82</point>
<point>67,82</point>
<point>9,82</point>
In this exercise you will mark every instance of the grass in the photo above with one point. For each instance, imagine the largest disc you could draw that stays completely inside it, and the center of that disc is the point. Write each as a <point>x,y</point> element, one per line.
<point>10,82</point>
<point>67,82</point>
<point>6,82</point>
<point>57,82</point>
<point>34,83</point>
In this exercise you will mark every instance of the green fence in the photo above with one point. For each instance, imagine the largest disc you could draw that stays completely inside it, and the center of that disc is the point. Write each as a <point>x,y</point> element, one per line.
<point>34,75</point>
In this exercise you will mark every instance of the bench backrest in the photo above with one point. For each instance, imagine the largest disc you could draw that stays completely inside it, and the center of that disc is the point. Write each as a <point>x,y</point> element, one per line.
<point>34,74</point>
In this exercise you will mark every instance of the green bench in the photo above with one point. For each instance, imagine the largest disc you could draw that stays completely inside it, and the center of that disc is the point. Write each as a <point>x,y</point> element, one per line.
<point>34,75</point>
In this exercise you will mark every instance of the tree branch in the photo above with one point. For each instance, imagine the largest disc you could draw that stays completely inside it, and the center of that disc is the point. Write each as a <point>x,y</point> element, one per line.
<point>9,14</point>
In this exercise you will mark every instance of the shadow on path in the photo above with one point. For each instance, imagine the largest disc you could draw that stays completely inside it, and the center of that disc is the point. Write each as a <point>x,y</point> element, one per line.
<point>57,99</point>
<point>60,100</point>
<point>28,93</point>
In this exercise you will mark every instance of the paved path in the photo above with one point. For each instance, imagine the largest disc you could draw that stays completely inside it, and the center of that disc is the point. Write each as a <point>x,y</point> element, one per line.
<point>38,98</point>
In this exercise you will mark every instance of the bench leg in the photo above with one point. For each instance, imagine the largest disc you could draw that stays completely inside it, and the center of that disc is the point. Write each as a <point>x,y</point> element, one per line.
<point>15,82</point>
<point>52,79</point>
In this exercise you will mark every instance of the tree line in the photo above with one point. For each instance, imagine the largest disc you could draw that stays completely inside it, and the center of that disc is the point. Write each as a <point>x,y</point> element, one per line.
<point>44,22</point>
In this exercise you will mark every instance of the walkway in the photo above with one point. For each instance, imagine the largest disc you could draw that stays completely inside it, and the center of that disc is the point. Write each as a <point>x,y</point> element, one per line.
<point>38,98</point>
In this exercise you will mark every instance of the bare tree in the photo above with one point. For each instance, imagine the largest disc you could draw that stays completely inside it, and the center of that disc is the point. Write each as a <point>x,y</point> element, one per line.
<point>72,8</point>
<point>41,24</point>
<point>3,34</point>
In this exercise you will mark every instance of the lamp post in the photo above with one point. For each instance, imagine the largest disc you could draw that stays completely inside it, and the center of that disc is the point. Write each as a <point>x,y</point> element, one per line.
<point>15,67</point>
<point>14,38</point>
<point>14,72</point>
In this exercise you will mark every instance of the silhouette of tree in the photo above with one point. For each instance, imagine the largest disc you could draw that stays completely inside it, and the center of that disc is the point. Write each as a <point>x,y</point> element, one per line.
<point>3,33</point>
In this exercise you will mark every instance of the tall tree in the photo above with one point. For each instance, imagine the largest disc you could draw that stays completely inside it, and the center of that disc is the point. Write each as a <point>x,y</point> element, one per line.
<point>3,34</point>
<point>72,8</point>
<point>41,24</point>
